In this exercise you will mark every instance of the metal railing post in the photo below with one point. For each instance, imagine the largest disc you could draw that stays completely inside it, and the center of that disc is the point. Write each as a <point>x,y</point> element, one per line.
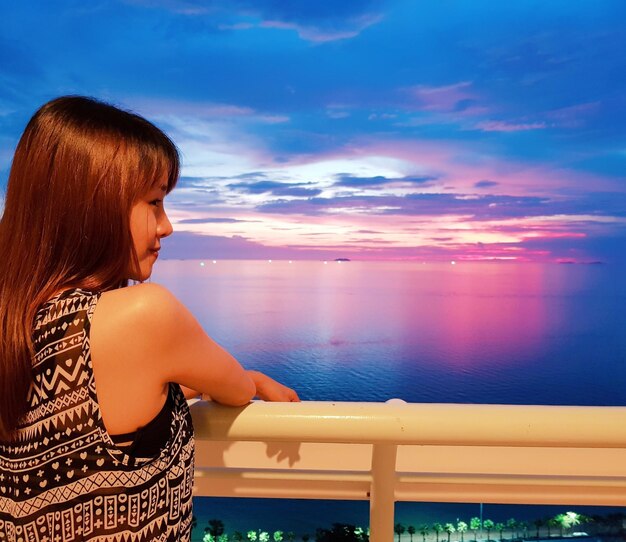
<point>382,492</point>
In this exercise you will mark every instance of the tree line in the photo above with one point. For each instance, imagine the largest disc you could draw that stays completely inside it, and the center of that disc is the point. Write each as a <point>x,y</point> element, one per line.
<point>513,530</point>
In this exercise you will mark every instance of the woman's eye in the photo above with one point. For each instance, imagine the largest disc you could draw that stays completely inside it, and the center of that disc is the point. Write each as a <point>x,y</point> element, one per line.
<point>156,202</point>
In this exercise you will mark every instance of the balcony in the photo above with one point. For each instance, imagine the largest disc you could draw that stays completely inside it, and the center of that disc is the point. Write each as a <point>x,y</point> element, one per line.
<point>395,451</point>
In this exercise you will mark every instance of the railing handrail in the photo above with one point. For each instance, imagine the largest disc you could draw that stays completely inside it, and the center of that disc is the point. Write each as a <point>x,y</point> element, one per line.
<point>503,453</point>
<point>412,423</point>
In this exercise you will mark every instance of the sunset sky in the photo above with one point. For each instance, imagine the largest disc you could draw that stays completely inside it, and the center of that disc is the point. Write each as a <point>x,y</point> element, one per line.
<point>416,129</point>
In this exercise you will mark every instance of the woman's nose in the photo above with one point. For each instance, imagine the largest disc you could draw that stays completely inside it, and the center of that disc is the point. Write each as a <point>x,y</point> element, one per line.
<point>164,227</point>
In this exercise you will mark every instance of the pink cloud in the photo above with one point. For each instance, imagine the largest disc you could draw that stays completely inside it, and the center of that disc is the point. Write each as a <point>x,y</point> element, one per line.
<point>236,26</point>
<point>207,110</point>
<point>183,7</point>
<point>152,107</point>
<point>274,119</point>
<point>565,117</point>
<point>318,35</point>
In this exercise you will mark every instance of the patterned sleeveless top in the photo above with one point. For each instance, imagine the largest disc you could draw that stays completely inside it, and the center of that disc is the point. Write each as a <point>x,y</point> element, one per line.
<point>63,479</point>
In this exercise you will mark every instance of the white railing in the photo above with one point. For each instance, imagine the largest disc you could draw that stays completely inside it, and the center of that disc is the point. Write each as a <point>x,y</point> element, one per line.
<point>394,451</point>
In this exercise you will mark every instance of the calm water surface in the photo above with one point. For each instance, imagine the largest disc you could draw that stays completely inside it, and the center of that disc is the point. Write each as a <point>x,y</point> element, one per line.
<point>364,331</point>
<point>369,331</point>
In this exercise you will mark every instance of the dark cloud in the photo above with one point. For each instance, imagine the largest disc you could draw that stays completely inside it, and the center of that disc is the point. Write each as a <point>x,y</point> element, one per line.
<point>208,220</point>
<point>259,187</point>
<point>600,203</point>
<point>252,175</point>
<point>485,184</point>
<point>360,182</point>
<point>192,246</point>
<point>311,206</point>
<point>588,249</point>
<point>277,188</point>
<point>488,207</point>
<point>297,191</point>
<point>186,181</point>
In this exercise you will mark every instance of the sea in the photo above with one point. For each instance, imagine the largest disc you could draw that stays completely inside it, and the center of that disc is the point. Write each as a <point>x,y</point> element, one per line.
<point>435,332</point>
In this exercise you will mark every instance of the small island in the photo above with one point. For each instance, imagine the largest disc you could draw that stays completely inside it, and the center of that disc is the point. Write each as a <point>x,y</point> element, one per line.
<point>342,259</point>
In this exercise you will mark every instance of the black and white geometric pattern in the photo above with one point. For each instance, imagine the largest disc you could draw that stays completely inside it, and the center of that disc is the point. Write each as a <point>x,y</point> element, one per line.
<point>63,479</point>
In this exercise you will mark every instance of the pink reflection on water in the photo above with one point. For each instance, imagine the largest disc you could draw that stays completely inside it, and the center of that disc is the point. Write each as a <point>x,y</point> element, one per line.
<point>488,308</point>
<point>451,312</point>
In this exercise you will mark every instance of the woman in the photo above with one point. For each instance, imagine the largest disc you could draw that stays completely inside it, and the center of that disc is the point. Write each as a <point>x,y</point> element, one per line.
<point>96,437</point>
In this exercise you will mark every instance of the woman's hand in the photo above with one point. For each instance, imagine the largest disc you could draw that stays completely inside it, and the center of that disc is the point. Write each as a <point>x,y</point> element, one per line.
<point>269,390</point>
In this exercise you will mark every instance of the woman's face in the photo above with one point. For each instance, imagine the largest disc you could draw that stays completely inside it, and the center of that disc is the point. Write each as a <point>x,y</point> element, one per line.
<point>148,225</point>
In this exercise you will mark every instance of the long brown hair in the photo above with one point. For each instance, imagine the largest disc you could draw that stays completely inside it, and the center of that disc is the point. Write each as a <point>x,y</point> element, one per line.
<point>79,167</point>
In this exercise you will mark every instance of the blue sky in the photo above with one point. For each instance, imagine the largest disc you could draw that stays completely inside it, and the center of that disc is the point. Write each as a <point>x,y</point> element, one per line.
<point>414,130</point>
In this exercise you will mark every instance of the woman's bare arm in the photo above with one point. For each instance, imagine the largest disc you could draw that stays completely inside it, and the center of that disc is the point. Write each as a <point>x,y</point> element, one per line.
<point>179,350</point>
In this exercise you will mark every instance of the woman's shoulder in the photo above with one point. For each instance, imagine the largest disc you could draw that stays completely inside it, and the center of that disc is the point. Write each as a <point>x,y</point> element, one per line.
<point>140,297</point>
<point>134,331</point>
<point>143,307</point>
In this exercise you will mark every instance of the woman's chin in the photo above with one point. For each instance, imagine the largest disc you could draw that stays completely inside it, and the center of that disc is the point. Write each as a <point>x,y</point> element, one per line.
<point>142,276</point>
<point>144,270</point>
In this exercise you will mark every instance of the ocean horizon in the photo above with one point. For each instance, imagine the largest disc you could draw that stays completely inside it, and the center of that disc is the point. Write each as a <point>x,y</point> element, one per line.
<point>369,331</point>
